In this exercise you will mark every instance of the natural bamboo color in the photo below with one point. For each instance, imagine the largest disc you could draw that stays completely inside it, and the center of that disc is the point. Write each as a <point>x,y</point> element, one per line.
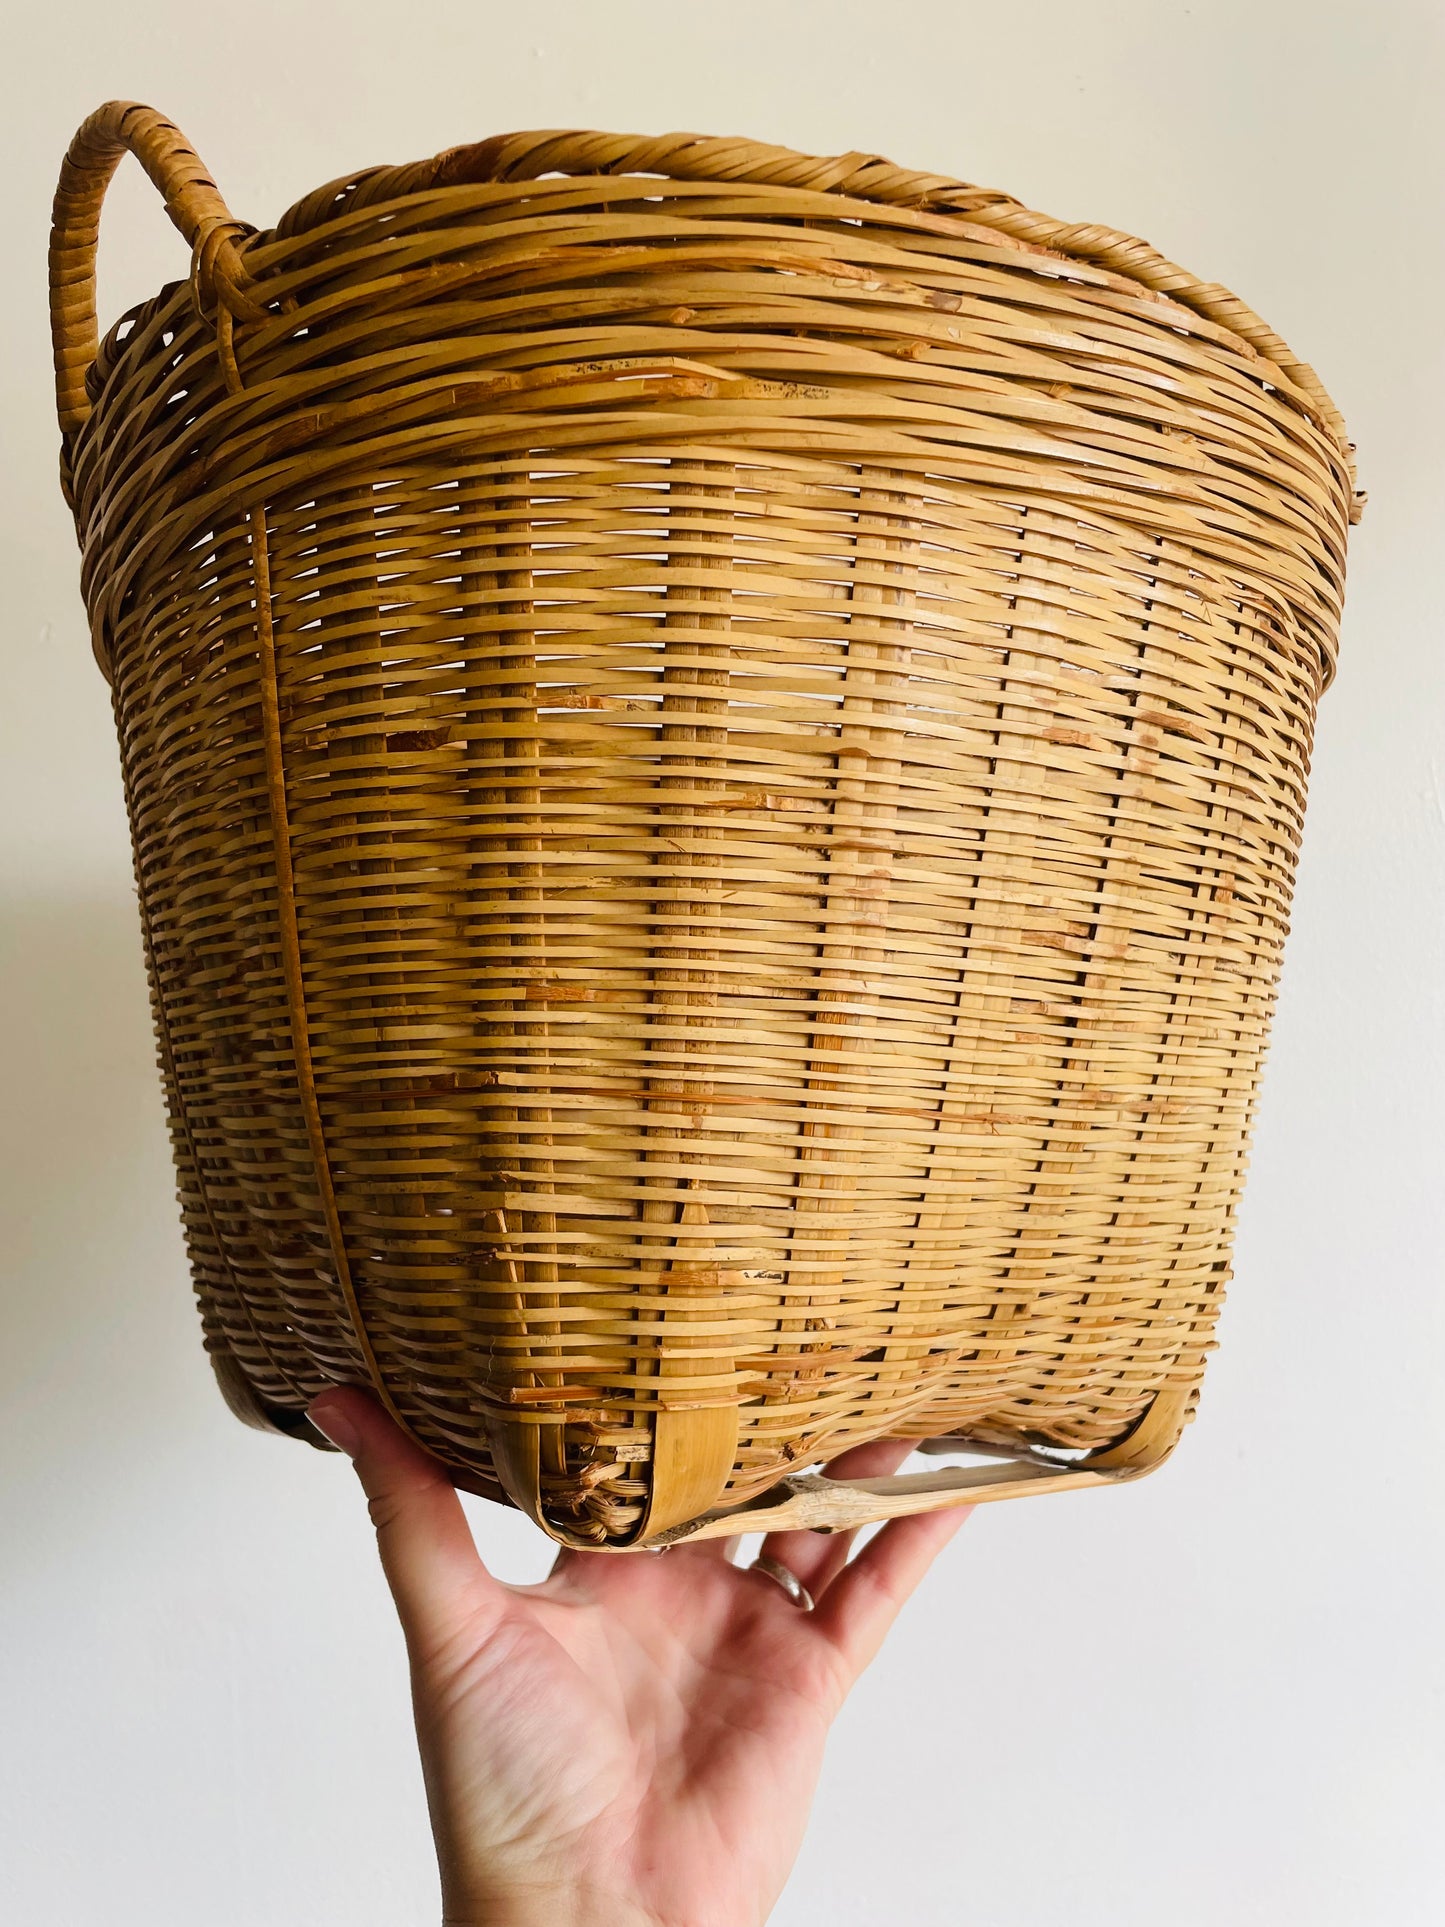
<point>716,743</point>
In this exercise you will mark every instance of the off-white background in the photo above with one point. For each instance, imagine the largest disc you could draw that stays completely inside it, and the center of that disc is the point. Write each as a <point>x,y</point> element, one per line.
<point>1207,1701</point>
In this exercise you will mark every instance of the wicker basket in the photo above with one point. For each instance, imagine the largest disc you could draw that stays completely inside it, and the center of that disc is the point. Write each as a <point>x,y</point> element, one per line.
<point>716,744</point>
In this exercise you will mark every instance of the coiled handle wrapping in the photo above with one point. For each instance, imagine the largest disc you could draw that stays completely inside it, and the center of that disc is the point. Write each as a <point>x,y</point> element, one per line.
<point>194,204</point>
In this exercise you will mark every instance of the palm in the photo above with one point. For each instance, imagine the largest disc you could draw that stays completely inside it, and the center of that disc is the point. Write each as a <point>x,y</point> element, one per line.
<point>663,1717</point>
<point>637,1739</point>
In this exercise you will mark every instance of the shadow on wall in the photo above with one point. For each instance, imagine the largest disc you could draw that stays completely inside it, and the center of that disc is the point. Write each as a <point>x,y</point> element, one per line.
<point>99,1340</point>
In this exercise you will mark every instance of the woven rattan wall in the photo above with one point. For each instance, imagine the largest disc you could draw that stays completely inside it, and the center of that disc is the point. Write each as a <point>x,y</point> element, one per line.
<point>716,743</point>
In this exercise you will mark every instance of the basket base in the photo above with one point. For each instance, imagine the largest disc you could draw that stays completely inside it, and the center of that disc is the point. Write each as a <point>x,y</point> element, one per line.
<point>241,1399</point>
<point>810,1502</point>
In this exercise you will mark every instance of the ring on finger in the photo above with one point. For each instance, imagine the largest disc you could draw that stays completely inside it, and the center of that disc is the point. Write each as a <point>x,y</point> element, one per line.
<point>791,1584</point>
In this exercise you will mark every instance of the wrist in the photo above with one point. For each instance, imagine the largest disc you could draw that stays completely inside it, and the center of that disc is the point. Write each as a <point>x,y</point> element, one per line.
<point>550,1907</point>
<point>568,1913</point>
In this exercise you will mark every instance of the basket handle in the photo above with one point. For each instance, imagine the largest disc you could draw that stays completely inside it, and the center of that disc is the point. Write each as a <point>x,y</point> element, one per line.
<point>194,204</point>
<point>811,1502</point>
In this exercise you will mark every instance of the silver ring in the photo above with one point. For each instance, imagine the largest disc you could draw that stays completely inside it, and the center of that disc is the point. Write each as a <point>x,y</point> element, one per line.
<point>791,1584</point>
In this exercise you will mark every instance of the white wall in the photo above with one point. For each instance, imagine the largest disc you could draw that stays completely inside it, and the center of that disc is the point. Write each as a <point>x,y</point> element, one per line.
<point>1212,1698</point>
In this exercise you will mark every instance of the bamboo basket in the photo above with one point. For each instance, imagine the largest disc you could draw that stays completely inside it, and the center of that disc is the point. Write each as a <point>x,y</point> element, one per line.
<point>716,743</point>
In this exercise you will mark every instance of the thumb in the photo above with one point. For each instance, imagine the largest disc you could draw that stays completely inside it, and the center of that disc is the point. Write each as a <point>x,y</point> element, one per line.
<point>431,1564</point>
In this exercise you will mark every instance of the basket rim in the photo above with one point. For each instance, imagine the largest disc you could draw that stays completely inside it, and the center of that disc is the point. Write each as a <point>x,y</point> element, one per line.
<point>864,179</point>
<point>241,275</point>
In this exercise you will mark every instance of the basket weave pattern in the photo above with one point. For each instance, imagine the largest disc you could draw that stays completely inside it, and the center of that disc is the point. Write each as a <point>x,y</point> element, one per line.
<point>716,744</point>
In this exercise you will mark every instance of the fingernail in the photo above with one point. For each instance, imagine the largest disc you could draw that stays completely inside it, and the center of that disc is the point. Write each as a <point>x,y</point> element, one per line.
<point>330,1419</point>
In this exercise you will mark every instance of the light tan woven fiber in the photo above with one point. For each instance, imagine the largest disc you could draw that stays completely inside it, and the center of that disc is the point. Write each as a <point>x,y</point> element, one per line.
<point>716,743</point>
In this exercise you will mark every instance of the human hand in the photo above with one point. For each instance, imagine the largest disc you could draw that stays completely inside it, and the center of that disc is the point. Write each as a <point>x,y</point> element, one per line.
<point>635,1742</point>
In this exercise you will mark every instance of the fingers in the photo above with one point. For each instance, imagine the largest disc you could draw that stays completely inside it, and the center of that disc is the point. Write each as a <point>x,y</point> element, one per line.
<point>867,1596</point>
<point>816,1558</point>
<point>427,1553</point>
